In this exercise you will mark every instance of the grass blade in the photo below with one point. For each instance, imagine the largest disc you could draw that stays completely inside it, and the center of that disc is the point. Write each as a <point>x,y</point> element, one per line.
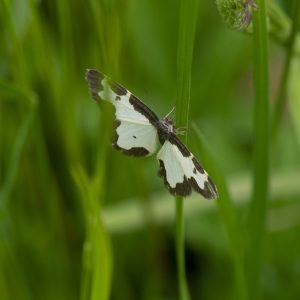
<point>256,221</point>
<point>187,24</point>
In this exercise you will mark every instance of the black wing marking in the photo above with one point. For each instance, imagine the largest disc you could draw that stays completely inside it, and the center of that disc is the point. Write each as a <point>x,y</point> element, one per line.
<point>94,80</point>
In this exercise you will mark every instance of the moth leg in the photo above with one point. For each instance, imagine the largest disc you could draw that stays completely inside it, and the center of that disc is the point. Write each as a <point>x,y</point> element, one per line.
<point>181,130</point>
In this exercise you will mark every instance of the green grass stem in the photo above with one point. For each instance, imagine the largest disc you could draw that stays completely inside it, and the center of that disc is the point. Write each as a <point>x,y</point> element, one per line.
<point>180,253</point>
<point>257,213</point>
<point>187,24</point>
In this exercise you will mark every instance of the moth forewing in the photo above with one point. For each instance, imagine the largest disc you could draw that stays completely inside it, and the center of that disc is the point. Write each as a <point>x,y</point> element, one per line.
<point>134,133</point>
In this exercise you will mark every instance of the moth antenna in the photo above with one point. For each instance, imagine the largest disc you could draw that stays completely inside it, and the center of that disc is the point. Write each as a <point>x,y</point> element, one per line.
<point>171,114</point>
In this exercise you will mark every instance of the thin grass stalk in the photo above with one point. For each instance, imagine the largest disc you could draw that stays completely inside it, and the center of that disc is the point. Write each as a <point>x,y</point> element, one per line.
<point>258,204</point>
<point>180,253</point>
<point>281,96</point>
<point>187,24</point>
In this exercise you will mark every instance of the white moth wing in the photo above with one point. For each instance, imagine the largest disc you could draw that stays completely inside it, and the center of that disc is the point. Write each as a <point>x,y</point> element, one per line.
<point>182,172</point>
<point>173,166</point>
<point>135,133</point>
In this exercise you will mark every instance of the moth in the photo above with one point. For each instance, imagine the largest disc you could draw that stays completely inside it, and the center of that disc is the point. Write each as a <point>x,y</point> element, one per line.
<point>139,131</point>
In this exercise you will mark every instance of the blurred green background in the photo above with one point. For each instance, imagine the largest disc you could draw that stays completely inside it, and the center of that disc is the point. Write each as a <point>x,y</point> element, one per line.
<point>78,220</point>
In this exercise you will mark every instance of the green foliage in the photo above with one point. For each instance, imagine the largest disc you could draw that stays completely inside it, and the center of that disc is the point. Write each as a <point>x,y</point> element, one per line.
<point>78,220</point>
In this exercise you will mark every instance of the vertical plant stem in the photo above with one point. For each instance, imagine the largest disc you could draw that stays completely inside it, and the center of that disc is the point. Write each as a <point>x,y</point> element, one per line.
<point>261,150</point>
<point>183,287</point>
<point>187,24</point>
<point>279,105</point>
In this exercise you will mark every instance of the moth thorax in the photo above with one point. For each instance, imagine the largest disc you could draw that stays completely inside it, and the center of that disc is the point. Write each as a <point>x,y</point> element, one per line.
<point>167,125</point>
